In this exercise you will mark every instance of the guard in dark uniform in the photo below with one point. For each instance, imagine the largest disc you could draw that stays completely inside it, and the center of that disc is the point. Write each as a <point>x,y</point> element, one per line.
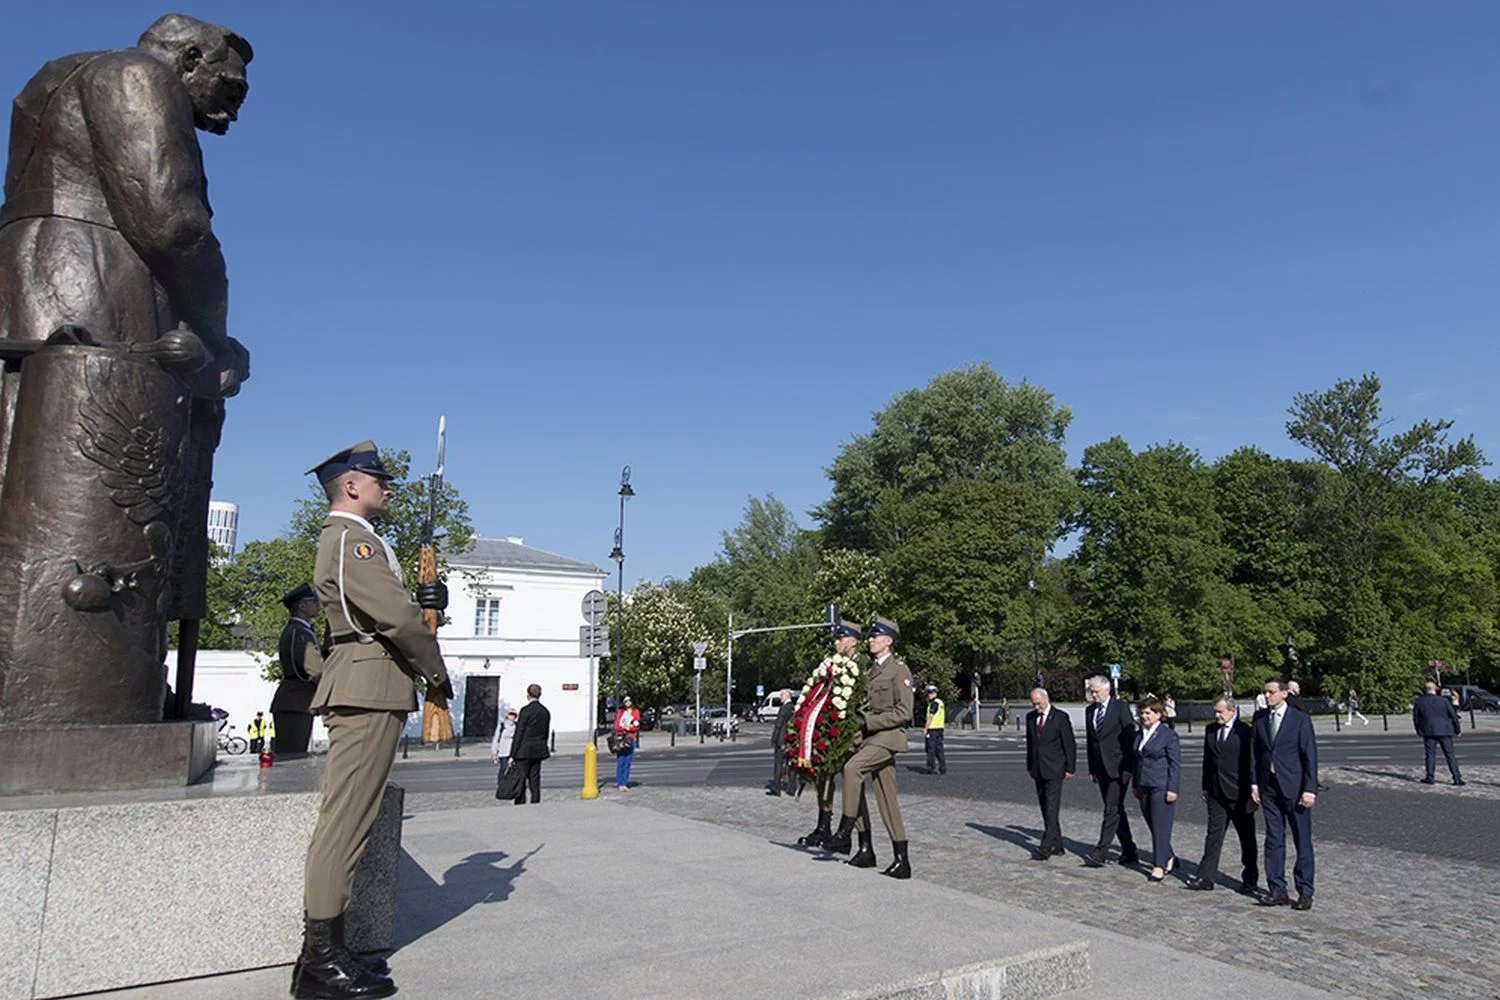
<point>301,665</point>
<point>380,644</point>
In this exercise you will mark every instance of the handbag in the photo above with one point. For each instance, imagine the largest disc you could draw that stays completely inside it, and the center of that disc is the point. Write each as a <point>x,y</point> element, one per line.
<point>510,783</point>
<point>620,743</point>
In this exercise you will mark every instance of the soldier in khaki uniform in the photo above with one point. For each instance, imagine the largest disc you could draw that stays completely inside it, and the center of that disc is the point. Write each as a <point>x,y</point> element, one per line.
<point>846,636</point>
<point>380,646</point>
<point>882,725</point>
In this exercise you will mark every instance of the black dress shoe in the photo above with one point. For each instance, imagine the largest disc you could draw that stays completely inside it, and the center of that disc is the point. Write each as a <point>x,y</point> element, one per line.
<point>1277,898</point>
<point>1058,852</point>
<point>1094,859</point>
<point>1040,856</point>
<point>1199,884</point>
<point>773,791</point>
<point>1302,903</point>
<point>1426,781</point>
<point>1458,781</point>
<point>1248,889</point>
<point>1130,860</point>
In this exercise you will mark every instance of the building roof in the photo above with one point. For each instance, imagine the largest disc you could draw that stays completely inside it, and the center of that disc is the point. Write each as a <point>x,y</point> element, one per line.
<point>512,553</point>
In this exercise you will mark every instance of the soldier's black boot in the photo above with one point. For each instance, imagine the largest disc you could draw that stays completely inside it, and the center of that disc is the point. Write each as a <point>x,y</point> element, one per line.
<point>820,833</point>
<point>839,842</point>
<point>375,963</point>
<point>901,867</point>
<point>327,971</point>
<point>865,856</point>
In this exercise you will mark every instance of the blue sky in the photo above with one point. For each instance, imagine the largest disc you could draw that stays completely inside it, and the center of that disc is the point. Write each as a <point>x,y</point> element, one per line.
<point>709,240</point>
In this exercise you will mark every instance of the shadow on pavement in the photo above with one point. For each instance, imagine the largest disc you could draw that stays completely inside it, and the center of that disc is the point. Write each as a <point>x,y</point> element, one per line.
<point>1028,838</point>
<point>477,879</point>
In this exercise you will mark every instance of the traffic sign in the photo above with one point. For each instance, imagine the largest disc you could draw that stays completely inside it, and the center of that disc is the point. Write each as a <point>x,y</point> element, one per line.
<point>699,648</point>
<point>594,606</point>
<point>593,640</point>
<point>760,690</point>
<point>700,664</point>
<point>1114,671</point>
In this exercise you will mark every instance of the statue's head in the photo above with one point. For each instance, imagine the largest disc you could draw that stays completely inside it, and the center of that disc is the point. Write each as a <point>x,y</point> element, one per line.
<point>210,60</point>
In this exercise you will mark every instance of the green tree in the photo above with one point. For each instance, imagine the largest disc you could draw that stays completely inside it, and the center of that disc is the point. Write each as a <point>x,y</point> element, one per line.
<point>1385,503</point>
<point>1150,573</point>
<point>762,576</point>
<point>966,424</point>
<point>657,661</point>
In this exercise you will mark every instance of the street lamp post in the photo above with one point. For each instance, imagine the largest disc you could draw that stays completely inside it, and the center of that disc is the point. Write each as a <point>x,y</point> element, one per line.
<point>618,555</point>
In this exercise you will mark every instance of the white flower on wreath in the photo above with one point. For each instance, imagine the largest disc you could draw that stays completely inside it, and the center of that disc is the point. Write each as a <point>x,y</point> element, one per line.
<point>840,703</point>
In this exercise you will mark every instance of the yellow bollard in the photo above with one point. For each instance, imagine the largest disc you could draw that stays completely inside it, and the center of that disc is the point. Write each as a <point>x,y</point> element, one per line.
<point>590,772</point>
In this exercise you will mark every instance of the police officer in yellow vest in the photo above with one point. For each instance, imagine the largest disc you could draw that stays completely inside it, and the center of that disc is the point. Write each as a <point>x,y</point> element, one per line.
<point>882,724</point>
<point>937,721</point>
<point>256,732</point>
<point>380,648</point>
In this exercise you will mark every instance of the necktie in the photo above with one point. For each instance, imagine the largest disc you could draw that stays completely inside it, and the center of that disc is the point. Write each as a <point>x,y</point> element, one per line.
<point>1099,718</point>
<point>1041,721</point>
<point>1223,735</point>
<point>1275,725</point>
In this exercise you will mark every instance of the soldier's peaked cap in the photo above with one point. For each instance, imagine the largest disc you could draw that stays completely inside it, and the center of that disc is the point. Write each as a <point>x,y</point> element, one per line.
<point>363,457</point>
<point>846,628</point>
<point>296,597</point>
<point>883,626</point>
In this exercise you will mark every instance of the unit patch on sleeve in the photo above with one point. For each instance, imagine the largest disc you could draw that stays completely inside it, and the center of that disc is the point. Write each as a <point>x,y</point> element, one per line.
<point>363,550</point>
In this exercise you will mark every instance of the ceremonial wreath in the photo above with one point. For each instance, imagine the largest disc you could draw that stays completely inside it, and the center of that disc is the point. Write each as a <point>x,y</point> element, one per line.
<point>820,734</point>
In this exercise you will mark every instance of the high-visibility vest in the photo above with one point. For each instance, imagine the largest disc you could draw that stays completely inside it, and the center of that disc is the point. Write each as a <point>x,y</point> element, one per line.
<point>254,730</point>
<point>936,714</point>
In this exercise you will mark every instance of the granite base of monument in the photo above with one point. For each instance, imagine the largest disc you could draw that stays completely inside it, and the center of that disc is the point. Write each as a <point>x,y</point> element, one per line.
<point>104,758</point>
<point>142,887</point>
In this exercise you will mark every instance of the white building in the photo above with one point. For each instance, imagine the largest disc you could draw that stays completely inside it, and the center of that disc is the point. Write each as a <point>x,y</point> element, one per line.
<point>224,525</point>
<point>514,612</point>
<point>513,617</point>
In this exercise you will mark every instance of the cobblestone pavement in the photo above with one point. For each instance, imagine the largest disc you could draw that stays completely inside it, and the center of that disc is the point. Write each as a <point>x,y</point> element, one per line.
<point>1479,782</point>
<point>1386,924</point>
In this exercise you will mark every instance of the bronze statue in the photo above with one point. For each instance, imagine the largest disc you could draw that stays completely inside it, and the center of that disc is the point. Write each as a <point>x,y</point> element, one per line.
<point>117,360</point>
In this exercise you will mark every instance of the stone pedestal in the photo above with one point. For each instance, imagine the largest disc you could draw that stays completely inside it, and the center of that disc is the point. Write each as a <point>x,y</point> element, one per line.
<point>106,891</point>
<point>104,758</point>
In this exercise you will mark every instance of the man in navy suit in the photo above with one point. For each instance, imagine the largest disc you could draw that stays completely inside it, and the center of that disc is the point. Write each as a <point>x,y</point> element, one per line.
<point>1051,759</point>
<point>1110,741</point>
<point>1436,720</point>
<point>1284,767</point>
<point>1227,778</point>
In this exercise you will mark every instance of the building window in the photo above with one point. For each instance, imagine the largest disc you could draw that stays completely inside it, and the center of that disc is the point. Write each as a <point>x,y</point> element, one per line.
<point>487,616</point>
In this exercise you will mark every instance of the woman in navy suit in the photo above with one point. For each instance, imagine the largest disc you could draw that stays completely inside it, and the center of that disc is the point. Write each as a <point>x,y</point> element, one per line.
<point>1158,772</point>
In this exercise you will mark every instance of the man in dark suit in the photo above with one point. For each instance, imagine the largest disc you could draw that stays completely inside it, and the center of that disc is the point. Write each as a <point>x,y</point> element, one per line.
<point>528,747</point>
<point>1436,720</point>
<point>1051,759</point>
<point>778,742</point>
<point>1226,789</point>
<point>1109,734</point>
<point>1284,770</point>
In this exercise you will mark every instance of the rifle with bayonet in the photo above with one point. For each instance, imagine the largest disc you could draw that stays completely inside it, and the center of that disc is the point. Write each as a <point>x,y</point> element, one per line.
<point>432,596</point>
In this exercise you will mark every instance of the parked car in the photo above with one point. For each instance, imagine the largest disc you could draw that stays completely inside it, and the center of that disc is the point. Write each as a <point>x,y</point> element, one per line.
<point>1476,698</point>
<point>768,709</point>
<point>716,723</point>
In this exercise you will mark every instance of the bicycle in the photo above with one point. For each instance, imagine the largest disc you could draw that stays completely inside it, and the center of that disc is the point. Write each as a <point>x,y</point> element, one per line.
<point>232,744</point>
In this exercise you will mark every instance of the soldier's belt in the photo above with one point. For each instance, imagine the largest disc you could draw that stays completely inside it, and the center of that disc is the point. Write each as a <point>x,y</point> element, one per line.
<point>344,640</point>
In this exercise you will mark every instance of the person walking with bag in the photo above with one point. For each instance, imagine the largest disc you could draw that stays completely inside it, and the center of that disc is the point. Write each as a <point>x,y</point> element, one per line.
<point>627,737</point>
<point>505,732</point>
